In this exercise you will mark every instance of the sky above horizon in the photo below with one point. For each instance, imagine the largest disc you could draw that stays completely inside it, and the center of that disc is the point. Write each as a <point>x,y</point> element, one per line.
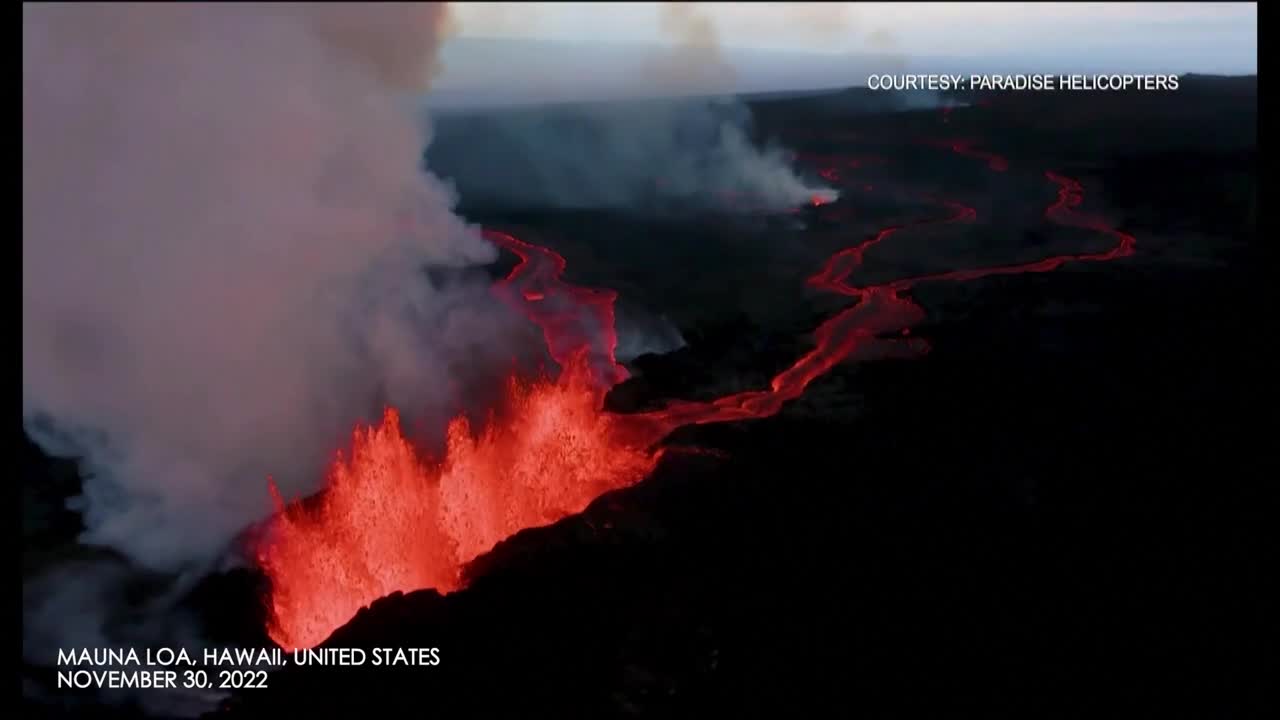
<point>1215,37</point>
<point>522,53</point>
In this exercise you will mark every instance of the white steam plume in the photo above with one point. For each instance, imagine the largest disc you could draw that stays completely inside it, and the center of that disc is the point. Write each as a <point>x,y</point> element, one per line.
<point>617,155</point>
<point>225,227</point>
<point>691,147</point>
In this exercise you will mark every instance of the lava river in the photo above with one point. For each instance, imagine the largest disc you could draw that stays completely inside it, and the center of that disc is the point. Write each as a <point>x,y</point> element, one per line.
<point>390,519</point>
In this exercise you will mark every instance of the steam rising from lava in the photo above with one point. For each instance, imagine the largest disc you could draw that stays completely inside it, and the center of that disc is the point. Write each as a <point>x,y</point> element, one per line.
<point>636,155</point>
<point>692,148</point>
<point>225,231</point>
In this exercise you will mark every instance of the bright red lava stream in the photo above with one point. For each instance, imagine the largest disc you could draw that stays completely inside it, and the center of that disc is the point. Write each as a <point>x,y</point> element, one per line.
<point>392,520</point>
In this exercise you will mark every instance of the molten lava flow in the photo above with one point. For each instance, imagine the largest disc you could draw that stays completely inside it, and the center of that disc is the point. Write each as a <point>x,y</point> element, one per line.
<point>574,320</point>
<point>1062,211</point>
<point>390,520</point>
<point>852,333</point>
<point>859,332</point>
<point>965,147</point>
<point>838,267</point>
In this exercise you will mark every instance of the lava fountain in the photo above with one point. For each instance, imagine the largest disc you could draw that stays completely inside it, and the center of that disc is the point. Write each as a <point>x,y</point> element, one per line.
<point>389,520</point>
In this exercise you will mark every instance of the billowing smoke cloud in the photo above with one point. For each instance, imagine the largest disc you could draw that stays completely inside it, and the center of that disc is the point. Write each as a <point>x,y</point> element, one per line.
<point>225,239</point>
<point>696,63</point>
<point>65,607</point>
<point>626,155</point>
<point>643,333</point>
<point>693,148</point>
<point>225,229</point>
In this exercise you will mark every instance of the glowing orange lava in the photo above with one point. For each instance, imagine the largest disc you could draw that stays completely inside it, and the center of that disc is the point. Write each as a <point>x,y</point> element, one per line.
<point>390,520</point>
